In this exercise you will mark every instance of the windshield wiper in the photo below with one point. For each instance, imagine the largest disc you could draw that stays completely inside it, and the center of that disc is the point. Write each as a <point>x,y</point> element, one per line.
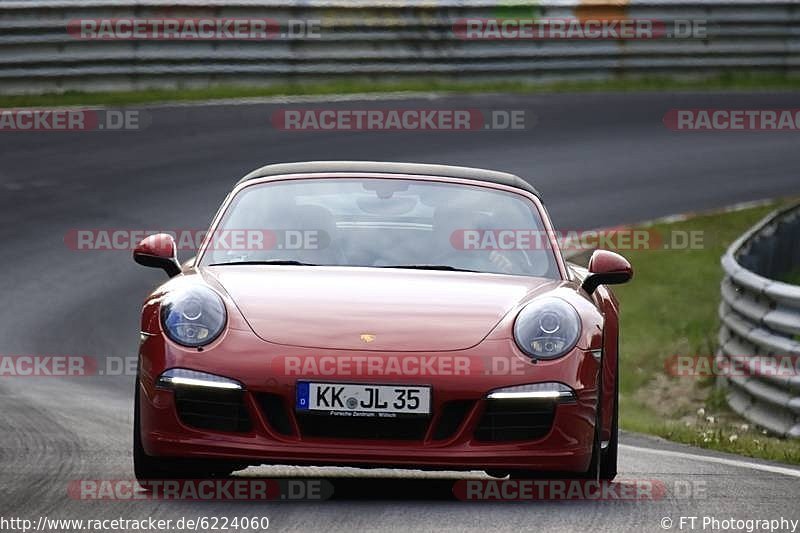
<point>275,262</point>
<point>430,267</point>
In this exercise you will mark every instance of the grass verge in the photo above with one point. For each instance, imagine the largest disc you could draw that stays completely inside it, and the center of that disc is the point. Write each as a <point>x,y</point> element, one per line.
<point>671,308</point>
<point>357,86</point>
<point>791,277</point>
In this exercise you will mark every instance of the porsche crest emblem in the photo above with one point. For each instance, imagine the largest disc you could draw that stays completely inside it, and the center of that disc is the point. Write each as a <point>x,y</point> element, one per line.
<point>367,337</point>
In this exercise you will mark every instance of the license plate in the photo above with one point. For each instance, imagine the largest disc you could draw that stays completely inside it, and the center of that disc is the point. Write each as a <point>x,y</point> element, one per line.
<point>341,398</point>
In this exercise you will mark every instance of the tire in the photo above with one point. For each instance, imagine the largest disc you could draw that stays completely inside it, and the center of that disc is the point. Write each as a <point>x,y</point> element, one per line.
<point>608,456</point>
<point>148,468</point>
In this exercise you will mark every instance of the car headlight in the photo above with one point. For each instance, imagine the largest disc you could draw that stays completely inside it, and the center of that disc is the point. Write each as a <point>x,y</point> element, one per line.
<point>193,316</point>
<point>547,328</point>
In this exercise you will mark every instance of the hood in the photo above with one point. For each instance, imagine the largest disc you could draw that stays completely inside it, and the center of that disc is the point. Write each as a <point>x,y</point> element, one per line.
<point>393,309</point>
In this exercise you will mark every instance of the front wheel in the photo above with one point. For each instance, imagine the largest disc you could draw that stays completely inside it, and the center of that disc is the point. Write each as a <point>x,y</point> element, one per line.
<point>148,468</point>
<point>608,455</point>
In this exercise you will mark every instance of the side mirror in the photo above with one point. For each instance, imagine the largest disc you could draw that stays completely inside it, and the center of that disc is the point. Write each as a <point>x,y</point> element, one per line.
<point>158,251</point>
<point>606,268</point>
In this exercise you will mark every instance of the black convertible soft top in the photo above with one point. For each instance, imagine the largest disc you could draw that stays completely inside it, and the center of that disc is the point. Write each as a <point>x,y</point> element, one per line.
<point>376,167</point>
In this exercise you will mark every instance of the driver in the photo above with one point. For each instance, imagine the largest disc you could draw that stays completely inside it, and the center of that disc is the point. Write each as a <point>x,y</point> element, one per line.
<point>448,226</point>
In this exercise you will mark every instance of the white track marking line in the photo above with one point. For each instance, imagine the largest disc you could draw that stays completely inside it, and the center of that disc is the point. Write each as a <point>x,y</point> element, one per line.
<point>719,460</point>
<point>278,99</point>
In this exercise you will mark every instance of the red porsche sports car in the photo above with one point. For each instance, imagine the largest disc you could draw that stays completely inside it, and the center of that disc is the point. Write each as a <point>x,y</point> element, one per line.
<point>378,315</point>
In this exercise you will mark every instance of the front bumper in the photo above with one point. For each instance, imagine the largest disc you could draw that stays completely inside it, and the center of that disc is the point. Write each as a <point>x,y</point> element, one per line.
<point>268,430</point>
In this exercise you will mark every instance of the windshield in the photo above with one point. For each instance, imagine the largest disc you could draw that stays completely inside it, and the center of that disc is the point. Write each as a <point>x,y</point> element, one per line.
<point>389,223</point>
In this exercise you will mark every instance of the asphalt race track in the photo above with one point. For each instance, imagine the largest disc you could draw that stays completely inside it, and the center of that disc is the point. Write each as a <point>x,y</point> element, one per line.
<point>599,160</point>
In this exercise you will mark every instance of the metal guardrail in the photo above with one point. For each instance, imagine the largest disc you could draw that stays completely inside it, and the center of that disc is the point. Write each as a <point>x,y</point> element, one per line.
<point>383,39</point>
<point>761,319</point>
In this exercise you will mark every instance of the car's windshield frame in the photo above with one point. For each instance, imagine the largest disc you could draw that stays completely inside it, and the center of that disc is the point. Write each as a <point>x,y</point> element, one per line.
<point>531,199</point>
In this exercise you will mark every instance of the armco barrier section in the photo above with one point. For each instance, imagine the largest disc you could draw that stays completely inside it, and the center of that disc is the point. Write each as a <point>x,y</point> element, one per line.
<point>385,39</point>
<point>761,320</point>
